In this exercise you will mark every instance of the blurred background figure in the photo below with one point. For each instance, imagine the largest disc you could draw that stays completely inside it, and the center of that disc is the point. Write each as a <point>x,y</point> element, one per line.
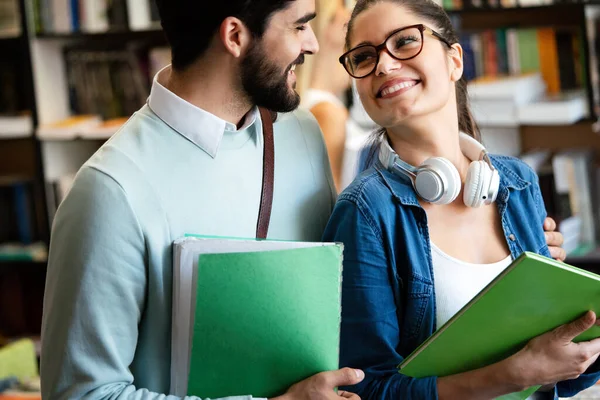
<point>327,91</point>
<point>323,84</point>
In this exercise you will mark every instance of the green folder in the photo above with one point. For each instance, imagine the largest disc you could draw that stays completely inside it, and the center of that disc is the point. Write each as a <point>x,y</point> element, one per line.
<point>264,315</point>
<point>532,296</point>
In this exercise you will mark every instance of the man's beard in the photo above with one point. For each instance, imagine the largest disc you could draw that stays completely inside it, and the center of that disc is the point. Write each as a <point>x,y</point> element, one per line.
<point>264,83</point>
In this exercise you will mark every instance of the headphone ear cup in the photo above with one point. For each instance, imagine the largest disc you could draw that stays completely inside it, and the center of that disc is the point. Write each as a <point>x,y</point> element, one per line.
<point>472,190</point>
<point>494,186</point>
<point>450,179</point>
<point>477,184</point>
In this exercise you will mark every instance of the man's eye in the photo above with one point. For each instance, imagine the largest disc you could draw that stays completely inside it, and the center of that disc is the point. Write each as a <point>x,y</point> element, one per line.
<point>301,28</point>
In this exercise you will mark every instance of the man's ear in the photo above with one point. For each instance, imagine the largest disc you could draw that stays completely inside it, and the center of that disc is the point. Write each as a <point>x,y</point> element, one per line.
<point>456,62</point>
<point>235,36</point>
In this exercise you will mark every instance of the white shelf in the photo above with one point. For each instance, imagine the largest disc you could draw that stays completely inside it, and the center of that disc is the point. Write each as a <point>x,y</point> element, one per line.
<point>92,129</point>
<point>10,33</point>
<point>16,127</point>
<point>65,157</point>
<point>70,135</point>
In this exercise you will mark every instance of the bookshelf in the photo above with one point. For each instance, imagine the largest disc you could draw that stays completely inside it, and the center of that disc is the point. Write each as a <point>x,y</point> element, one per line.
<point>37,159</point>
<point>24,227</point>
<point>46,157</point>
<point>570,28</point>
<point>100,68</point>
<point>118,35</point>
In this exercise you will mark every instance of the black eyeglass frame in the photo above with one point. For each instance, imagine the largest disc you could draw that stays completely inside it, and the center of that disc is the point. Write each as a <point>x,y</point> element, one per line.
<point>383,46</point>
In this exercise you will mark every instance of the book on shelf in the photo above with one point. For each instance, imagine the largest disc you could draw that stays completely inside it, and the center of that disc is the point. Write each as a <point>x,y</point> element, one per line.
<point>10,18</point>
<point>18,219</point>
<point>565,56</point>
<point>555,194</point>
<point>505,315</point>
<point>90,127</point>
<point>569,187</point>
<point>575,170</point>
<point>14,251</point>
<point>15,116</point>
<point>143,15</point>
<point>112,83</point>
<point>563,108</point>
<point>459,5</point>
<point>519,89</point>
<point>554,52</point>
<point>94,16</point>
<point>104,129</point>
<point>592,28</point>
<point>495,101</point>
<point>70,127</point>
<point>273,307</point>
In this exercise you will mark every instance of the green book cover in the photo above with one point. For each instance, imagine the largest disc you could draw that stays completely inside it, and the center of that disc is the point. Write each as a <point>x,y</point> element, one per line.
<point>532,296</point>
<point>529,54</point>
<point>264,320</point>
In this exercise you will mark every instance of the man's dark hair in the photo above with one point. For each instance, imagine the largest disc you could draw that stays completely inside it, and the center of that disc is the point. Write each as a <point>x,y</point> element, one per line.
<point>190,25</point>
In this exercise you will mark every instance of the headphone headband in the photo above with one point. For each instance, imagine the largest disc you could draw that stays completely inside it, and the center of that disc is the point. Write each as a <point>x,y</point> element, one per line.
<point>437,180</point>
<point>468,145</point>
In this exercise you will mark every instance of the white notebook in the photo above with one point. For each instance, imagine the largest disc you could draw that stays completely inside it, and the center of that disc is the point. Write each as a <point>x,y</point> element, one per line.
<point>186,252</point>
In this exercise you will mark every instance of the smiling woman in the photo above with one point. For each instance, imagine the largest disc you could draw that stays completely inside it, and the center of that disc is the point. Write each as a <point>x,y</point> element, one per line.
<point>435,219</point>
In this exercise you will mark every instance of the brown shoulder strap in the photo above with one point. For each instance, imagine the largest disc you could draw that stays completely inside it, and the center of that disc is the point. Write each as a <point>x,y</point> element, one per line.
<point>266,200</point>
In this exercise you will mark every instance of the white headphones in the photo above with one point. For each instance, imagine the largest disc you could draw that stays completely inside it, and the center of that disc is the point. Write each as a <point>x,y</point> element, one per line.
<point>437,180</point>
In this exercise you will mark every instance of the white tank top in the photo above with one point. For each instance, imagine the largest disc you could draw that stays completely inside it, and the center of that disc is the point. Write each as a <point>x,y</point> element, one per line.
<point>457,282</point>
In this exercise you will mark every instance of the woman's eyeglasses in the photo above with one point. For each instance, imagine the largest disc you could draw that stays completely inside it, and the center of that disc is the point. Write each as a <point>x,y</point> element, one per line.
<point>402,44</point>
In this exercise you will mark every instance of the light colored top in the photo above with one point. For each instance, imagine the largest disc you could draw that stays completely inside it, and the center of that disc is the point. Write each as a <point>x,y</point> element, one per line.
<point>172,169</point>
<point>356,134</point>
<point>312,97</point>
<point>457,282</point>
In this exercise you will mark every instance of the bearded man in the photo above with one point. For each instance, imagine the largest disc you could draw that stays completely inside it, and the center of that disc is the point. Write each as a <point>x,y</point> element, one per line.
<point>189,161</point>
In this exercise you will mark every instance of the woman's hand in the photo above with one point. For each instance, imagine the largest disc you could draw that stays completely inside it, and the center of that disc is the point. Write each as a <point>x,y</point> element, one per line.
<point>554,357</point>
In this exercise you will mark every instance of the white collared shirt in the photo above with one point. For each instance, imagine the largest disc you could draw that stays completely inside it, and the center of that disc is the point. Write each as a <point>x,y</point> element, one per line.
<point>200,127</point>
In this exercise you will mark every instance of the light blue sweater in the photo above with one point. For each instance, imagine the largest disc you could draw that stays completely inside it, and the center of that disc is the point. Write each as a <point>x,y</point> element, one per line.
<point>107,309</point>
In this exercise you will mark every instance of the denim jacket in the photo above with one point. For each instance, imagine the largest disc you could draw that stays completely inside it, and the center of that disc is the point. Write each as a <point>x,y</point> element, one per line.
<point>388,292</point>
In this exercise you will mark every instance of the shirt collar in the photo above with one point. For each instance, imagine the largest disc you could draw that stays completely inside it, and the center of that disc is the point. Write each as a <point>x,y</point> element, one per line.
<point>202,128</point>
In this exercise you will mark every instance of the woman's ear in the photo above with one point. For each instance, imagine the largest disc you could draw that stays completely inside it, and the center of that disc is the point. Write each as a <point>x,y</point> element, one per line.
<point>456,62</point>
<point>235,36</point>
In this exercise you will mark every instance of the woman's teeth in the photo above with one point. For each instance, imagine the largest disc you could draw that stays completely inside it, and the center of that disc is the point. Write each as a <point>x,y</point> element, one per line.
<point>395,88</point>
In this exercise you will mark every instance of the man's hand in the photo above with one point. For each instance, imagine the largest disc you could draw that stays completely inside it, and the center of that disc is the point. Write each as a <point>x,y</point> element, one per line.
<point>554,240</point>
<point>321,386</point>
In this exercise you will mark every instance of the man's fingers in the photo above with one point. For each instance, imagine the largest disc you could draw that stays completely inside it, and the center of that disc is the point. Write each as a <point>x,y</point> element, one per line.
<point>348,395</point>
<point>554,239</point>
<point>570,331</point>
<point>558,253</point>
<point>341,377</point>
<point>549,224</point>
